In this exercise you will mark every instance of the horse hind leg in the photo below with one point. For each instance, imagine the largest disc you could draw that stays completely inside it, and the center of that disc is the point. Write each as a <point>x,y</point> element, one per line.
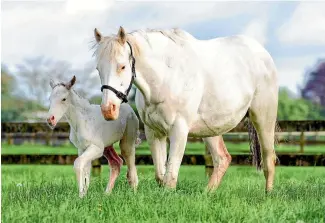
<point>262,113</point>
<point>221,160</point>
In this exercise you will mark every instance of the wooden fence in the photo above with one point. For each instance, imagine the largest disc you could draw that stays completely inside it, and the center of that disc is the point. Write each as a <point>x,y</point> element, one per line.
<point>36,131</point>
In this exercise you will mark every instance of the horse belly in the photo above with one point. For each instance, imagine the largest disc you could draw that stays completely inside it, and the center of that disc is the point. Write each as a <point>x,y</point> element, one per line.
<point>218,118</point>
<point>213,125</point>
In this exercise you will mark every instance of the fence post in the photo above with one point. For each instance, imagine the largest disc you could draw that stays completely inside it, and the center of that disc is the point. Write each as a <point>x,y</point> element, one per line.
<point>9,138</point>
<point>48,138</point>
<point>302,141</point>
<point>32,138</point>
<point>96,167</point>
<point>208,162</point>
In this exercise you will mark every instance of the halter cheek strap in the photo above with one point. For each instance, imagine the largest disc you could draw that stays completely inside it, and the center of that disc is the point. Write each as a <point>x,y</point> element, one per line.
<point>121,95</point>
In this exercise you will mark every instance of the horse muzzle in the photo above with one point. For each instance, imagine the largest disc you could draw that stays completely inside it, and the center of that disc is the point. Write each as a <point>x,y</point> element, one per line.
<point>51,122</point>
<point>110,112</point>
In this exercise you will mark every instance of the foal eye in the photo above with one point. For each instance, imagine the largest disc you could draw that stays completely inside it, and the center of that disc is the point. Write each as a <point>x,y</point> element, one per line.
<point>64,99</point>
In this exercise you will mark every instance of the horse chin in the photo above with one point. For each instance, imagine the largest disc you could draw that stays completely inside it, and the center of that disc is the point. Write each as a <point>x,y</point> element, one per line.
<point>109,116</point>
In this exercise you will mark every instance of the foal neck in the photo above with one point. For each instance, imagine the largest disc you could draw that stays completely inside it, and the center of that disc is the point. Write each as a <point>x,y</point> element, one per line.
<point>77,108</point>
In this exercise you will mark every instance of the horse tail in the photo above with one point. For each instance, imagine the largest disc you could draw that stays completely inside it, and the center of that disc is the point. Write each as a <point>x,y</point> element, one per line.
<point>138,139</point>
<point>255,147</point>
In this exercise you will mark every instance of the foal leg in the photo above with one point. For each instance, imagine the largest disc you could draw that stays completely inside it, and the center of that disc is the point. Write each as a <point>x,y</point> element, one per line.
<point>81,167</point>
<point>127,145</point>
<point>221,160</point>
<point>178,138</point>
<point>158,149</point>
<point>115,163</point>
<point>87,174</point>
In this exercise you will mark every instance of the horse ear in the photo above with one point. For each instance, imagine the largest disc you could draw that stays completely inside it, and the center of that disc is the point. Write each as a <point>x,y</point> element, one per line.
<point>121,36</point>
<point>98,35</point>
<point>52,84</point>
<point>71,83</point>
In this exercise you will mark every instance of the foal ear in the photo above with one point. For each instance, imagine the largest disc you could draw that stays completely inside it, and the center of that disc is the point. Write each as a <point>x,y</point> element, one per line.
<point>52,83</point>
<point>98,35</point>
<point>121,36</point>
<point>71,83</point>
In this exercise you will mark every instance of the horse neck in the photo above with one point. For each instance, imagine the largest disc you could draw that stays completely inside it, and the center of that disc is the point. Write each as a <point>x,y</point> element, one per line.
<point>148,80</point>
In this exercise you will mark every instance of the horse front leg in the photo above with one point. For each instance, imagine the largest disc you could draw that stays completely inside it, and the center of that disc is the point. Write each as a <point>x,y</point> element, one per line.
<point>178,139</point>
<point>81,166</point>
<point>158,148</point>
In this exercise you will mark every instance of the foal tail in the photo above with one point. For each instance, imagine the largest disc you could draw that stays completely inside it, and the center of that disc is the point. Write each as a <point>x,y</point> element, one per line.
<point>254,143</point>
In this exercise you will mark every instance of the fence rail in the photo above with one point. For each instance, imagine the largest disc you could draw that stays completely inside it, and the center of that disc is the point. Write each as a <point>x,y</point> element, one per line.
<point>34,131</point>
<point>41,131</point>
<point>286,126</point>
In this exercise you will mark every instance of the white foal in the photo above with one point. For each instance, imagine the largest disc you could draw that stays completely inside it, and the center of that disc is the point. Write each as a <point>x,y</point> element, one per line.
<point>93,135</point>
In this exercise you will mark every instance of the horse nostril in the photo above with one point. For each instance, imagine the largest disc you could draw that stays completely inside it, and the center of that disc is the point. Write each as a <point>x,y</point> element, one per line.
<point>52,118</point>
<point>113,107</point>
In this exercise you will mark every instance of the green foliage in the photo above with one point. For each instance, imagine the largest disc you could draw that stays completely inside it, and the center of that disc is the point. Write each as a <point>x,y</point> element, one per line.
<point>12,106</point>
<point>97,99</point>
<point>48,193</point>
<point>297,108</point>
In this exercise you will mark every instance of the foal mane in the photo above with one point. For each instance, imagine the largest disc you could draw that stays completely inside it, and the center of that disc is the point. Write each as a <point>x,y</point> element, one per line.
<point>81,101</point>
<point>110,47</point>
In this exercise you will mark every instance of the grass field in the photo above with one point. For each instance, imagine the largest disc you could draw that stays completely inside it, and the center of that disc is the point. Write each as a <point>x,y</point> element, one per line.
<point>192,148</point>
<point>49,194</point>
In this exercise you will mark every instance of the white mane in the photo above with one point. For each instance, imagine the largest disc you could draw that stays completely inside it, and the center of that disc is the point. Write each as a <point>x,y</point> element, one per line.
<point>109,46</point>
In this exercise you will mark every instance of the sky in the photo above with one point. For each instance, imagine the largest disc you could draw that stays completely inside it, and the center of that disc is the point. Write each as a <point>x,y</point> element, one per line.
<point>293,32</point>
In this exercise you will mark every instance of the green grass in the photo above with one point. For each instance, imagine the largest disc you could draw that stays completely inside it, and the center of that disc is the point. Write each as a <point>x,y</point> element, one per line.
<point>49,194</point>
<point>191,148</point>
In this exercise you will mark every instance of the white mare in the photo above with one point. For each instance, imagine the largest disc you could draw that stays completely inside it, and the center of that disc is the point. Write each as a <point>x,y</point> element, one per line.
<point>93,136</point>
<point>200,88</point>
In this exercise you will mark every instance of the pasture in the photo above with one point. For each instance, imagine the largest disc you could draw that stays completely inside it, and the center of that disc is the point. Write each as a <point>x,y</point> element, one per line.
<point>49,194</point>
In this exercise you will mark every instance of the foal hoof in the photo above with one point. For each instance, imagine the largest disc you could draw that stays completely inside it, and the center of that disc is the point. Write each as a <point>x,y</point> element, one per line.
<point>82,195</point>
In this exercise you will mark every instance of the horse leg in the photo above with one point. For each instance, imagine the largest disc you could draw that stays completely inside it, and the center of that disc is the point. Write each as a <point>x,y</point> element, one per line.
<point>263,112</point>
<point>81,165</point>
<point>178,138</point>
<point>115,163</point>
<point>221,160</point>
<point>158,149</point>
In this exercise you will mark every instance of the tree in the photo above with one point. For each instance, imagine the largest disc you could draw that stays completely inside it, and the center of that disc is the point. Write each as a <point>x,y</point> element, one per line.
<point>290,108</point>
<point>35,74</point>
<point>314,87</point>
<point>13,107</point>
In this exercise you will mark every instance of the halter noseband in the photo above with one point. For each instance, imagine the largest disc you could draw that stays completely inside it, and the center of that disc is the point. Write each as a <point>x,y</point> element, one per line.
<point>119,94</point>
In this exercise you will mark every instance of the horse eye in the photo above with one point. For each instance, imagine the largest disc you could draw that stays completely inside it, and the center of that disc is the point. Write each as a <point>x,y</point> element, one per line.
<point>64,99</point>
<point>123,67</point>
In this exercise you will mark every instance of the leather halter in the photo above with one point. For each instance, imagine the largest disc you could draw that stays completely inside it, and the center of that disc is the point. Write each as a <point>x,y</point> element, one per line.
<point>119,94</point>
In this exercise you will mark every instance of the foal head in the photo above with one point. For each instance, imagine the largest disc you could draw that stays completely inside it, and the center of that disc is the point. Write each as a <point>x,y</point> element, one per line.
<point>59,100</point>
<point>114,64</point>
